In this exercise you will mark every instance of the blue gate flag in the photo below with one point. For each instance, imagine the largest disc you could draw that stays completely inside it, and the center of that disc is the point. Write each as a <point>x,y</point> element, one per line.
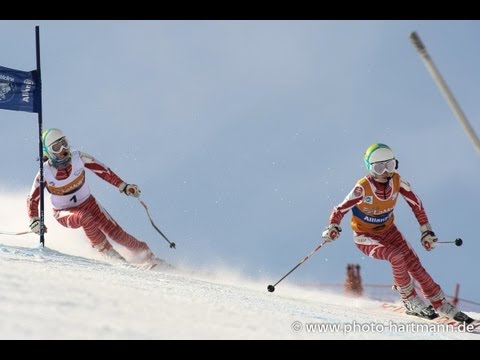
<point>20,90</point>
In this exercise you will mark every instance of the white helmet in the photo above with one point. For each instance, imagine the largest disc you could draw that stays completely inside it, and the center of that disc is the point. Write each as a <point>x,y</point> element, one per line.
<point>380,153</point>
<point>55,143</point>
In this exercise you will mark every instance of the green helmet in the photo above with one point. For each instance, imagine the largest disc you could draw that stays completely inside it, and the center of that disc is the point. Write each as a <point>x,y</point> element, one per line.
<point>379,153</point>
<point>54,143</point>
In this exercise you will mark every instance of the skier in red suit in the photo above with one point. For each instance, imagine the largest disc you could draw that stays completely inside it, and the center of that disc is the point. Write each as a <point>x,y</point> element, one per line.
<point>73,204</point>
<point>372,201</point>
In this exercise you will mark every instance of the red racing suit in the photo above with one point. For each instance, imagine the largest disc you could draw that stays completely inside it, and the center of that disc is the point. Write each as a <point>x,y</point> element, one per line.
<point>375,234</point>
<point>74,206</point>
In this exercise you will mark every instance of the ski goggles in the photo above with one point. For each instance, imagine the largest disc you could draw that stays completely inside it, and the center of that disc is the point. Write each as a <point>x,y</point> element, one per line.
<point>59,145</point>
<point>380,167</point>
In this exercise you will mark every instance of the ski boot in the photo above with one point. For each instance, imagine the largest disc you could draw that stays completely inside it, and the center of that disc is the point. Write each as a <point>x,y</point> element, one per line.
<point>450,311</point>
<point>415,306</point>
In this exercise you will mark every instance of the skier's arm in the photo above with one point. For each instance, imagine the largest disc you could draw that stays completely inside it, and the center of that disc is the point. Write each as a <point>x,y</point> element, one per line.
<point>333,230</point>
<point>414,202</point>
<point>105,173</point>
<point>101,170</point>
<point>428,238</point>
<point>33,198</point>
<point>352,199</point>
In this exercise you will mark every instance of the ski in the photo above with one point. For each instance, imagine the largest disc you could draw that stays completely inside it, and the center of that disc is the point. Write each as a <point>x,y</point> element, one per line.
<point>473,327</point>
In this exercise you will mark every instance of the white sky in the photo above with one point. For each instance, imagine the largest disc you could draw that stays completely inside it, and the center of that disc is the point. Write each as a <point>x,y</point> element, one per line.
<point>243,135</point>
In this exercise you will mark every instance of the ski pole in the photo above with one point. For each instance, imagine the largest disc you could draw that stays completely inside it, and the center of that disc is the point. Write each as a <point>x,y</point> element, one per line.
<point>457,242</point>
<point>172,244</point>
<point>271,288</point>
<point>15,233</point>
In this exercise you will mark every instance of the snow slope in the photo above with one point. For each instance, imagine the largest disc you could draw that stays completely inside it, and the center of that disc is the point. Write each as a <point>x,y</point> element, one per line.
<point>45,294</point>
<point>67,291</point>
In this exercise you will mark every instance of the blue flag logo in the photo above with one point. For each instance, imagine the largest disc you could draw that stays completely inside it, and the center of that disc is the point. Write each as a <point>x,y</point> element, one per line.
<point>19,90</point>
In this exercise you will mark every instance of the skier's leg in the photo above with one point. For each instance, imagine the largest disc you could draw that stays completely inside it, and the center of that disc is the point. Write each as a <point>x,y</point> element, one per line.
<point>67,218</point>
<point>77,217</point>
<point>81,217</point>
<point>104,222</point>
<point>430,289</point>
<point>413,265</point>
<point>403,281</point>
<point>377,249</point>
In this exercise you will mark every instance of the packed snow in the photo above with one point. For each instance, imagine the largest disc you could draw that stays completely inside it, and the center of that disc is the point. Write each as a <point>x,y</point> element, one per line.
<point>66,291</point>
<point>46,294</point>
